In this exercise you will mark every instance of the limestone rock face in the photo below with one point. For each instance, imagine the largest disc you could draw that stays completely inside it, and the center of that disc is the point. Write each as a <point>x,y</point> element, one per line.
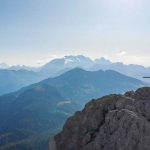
<point>114,122</point>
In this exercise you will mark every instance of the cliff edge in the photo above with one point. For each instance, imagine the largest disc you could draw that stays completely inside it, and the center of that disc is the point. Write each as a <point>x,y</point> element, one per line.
<point>113,122</point>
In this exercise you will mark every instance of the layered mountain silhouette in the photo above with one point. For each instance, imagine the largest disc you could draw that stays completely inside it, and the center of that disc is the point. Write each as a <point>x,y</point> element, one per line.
<point>32,114</point>
<point>113,122</point>
<point>136,71</point>
<point>23,67</point>
<point>14,78</point>
<point>61,65</point>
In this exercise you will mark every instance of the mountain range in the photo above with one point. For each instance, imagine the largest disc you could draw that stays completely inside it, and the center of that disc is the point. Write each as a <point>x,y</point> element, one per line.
<point>15,77</point>
<point>31,115</point>
<point>12,80</point>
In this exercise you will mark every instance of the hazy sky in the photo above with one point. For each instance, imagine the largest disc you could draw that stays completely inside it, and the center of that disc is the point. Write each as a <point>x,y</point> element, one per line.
<point>34,31</point>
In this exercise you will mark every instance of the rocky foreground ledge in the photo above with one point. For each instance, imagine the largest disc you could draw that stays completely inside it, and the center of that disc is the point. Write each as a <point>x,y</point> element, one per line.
<point>114,122</point>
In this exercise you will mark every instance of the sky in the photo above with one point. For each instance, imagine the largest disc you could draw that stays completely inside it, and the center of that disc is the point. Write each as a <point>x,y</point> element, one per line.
<point>34,31</point>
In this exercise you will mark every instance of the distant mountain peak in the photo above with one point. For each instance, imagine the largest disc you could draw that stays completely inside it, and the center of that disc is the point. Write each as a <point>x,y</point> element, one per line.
<point>66,63</point>
<point>3,65</point>
<point>103,61</point>
<point>77,70</point>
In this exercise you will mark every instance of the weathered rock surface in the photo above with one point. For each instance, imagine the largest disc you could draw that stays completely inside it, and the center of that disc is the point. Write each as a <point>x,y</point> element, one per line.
<point>114,122</point>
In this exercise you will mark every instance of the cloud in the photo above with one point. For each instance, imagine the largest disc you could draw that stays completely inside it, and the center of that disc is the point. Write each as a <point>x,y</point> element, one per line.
<point>121,53</point>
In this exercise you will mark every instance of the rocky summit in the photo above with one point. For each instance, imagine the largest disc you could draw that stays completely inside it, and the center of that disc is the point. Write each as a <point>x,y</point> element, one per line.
<point>113,122</point>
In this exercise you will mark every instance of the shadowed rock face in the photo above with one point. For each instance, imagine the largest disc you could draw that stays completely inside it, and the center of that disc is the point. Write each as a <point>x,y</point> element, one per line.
<point>114,122</point>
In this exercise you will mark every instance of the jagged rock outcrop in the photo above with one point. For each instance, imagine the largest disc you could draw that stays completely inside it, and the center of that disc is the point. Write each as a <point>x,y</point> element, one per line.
<point>114,122</point>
